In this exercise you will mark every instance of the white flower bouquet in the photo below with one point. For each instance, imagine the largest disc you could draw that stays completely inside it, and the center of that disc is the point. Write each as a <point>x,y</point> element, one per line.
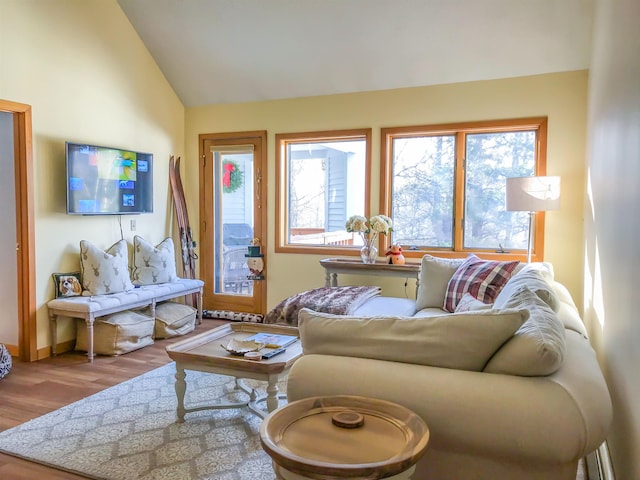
<point>369,229</point>
<point>376,224</point>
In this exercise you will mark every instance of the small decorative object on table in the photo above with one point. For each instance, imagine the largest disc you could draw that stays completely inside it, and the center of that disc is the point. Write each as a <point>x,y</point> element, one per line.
<point>255,260</point>
<point>369,229</point>
<point>395,255</point>
<point>240,347</point>
<point>67,284</point>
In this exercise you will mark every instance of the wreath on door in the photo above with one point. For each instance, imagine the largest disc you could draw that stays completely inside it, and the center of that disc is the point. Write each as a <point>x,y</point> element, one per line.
<point>231,176</point>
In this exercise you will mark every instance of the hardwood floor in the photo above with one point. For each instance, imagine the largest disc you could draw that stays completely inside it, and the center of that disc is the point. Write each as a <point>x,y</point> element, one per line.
<point>33,389</point>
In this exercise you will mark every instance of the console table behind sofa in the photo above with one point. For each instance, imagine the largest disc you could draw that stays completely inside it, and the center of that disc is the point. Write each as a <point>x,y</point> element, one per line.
<point>91,307</point>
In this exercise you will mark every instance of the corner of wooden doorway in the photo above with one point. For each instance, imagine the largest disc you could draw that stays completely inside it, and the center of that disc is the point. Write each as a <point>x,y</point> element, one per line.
<point>25,244</point>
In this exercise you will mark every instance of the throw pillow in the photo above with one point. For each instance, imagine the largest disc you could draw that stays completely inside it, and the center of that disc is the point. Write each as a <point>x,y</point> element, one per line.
<point>464,341</point>
<point>107,271</point>
<point>481,278</point>
<point>435,273</point>
<point>538,347</point>
<point>153,265</point>
<point>67,284</point>
<point>544,268</point>
<point>469,303</point>
<point>535,281</point>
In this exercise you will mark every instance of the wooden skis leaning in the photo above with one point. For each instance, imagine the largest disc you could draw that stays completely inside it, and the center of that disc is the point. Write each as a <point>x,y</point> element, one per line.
<point>187,244</point>
<point>192,256</point>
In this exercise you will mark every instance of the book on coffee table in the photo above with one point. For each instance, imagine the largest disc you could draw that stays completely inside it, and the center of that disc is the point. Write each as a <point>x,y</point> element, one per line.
<point>273,340</point>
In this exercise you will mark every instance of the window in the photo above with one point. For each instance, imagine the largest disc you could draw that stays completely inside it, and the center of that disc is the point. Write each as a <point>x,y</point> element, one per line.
<point>444,186</point>
<point>321,182</point>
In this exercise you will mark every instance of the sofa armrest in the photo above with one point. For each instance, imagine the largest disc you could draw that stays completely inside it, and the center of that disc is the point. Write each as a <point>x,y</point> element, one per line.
<point>553,419</point>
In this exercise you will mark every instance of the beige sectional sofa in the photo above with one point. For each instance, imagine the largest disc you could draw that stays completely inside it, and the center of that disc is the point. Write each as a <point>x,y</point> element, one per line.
<point>509,391</point>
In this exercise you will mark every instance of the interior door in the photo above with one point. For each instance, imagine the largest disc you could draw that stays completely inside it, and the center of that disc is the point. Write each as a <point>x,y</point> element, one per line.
<point>233,218</point>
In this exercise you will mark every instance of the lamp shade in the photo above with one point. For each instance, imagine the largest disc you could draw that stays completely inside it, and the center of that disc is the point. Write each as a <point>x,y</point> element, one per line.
<point>533,194</point>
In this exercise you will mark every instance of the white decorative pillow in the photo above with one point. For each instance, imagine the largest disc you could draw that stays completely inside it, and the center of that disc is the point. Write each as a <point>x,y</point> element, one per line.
<point>105,272</point>
<point>469,303</point>
<point>544,268</point>
<point>153,265</point>
<point>481,278</point>
<point>435,273</point>
<point>535,281</point>
<point>464,341</point>
<point>538,347</point>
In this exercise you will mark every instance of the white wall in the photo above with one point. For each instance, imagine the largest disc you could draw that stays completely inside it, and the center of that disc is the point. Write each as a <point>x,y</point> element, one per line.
<point>612,222</point>
<point>88,78</point>
<point>8,259</point>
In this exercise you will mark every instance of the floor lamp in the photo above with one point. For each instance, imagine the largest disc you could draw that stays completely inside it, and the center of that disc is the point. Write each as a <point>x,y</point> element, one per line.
<point>532,194</point>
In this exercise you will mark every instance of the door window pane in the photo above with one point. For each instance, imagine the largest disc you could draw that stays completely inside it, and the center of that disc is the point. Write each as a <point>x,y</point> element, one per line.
<point>234,221</point>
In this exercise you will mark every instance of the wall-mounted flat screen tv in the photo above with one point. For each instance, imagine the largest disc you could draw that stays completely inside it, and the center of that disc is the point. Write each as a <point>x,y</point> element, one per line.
<point>108,181</point>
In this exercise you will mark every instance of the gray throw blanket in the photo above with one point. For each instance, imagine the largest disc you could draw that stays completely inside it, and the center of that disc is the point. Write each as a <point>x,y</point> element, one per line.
<point>336,300</point>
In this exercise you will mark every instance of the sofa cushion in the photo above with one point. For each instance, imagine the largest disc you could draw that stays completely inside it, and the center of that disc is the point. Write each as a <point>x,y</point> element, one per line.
<point>403,307</point>
<point>104,272</point>
<point>535,281</point>
<point>153,265</point>
<point>538,347</point>
<point>463,341</point>
<point>481,278</point>
<point>435,274</point>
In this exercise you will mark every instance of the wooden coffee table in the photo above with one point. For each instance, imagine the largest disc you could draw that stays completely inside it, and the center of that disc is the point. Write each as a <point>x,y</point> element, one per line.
<point>204,353</point>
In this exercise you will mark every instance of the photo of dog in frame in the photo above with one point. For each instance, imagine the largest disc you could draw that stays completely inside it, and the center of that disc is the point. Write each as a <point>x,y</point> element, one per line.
<point>67,284</point>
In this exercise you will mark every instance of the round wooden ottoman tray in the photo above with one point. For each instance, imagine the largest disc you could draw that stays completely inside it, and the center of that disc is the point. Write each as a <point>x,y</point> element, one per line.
<point>344,437</point>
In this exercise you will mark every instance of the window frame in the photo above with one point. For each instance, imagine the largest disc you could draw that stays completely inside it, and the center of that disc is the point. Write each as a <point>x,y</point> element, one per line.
<point>282,194</point>
<point>460,130</point>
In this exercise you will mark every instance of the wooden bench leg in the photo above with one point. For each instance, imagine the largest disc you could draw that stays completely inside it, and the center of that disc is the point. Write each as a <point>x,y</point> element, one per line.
<point>89,320</point>
<point>53,325</point>
<point>199,306</point>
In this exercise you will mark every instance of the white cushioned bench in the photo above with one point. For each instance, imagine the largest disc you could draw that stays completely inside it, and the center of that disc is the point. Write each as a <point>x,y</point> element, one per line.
<point>91,307</point>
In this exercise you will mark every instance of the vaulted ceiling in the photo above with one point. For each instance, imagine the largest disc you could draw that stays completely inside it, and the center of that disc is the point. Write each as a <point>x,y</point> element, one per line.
<point>223,51</point>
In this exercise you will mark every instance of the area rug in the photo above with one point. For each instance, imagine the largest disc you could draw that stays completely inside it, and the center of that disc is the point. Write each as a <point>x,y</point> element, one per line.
<point>129,431</point>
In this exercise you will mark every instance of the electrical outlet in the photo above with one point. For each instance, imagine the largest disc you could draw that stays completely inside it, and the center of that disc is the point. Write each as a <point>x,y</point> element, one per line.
<point>133,225</point>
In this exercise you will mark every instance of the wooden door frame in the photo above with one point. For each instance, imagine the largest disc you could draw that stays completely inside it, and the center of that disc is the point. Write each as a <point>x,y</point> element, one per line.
<point>260,186</point>
<point>25,242</point>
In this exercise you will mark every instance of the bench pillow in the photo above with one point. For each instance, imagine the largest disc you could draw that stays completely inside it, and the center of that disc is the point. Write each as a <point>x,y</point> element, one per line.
<point>116,334</point>
<point>538,347</point>
<point>435,274</point>
<point>104,272</point>
<point>153,265</point>
<point>464,341</point>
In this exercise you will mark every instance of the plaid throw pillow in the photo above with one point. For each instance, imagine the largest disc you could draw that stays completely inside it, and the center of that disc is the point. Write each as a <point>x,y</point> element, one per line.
<point>481,278</point>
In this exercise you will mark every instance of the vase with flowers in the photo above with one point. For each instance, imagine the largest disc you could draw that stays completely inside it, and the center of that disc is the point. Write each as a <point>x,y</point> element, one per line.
<point>369,229</point>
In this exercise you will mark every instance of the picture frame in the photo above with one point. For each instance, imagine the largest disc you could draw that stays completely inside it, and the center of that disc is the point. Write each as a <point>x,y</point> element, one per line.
<point>67,284</point>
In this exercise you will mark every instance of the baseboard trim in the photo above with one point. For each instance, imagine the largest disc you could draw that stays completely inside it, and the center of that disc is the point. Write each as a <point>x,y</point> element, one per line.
<point>604,462</point>
<point>598,464</point>
<point>13,350</point>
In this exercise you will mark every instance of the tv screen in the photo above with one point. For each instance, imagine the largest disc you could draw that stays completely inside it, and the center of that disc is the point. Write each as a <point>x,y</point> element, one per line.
<point>108,181</point>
